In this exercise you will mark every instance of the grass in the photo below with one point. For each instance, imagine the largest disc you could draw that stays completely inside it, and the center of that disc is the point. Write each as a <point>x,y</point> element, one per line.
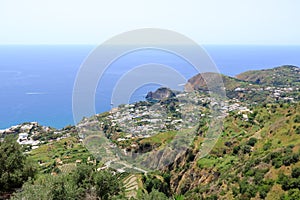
<point>208,162</point>
<point>160,138</point>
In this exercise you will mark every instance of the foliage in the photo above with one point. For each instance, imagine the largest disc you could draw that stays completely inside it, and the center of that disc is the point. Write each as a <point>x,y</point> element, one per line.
<point>49,187</point>
<point>156,182</point>
<point>252,141</point>
<point>107,184</point>
<point>154,194</point>
<point>78,184</point>
<point>296,172</point>
<point>15,168</point>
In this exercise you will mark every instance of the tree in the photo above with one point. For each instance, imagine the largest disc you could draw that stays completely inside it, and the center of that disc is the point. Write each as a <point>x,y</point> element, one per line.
<point>62,187</point>
<point>82,176</point>
<point>107,184</point>
<point>33,192</point>
<point>48,187</point>
<point>15,169</point>
<point>154,194</point>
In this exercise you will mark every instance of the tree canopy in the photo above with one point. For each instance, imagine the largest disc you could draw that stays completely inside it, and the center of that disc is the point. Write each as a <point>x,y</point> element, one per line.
<point>15,168</point>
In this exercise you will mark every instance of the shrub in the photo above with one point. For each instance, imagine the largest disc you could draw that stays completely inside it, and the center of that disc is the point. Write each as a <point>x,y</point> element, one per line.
<point>267,146</point>
<point>246,149</point>
<point>49,187</point>
<point>294,194</point>
<point>252,141</point>
<point>297,119</point>
<point>212,197</point>
<point>107,184</point>
<point>296,172</point>
<point>297,130</point>
<point>277,163</point>
<point>290,159</point>
<point>263,190</point>
<point>236,149</point>
<point>152,195</point>
<point>153,183</point>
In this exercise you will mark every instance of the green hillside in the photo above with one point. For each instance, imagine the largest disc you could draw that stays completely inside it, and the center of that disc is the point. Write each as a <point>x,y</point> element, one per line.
<point>280,76</point>
<point>252,159</point>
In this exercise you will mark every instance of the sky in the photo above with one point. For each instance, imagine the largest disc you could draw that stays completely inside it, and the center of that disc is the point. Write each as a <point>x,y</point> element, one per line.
<point>267,22</point>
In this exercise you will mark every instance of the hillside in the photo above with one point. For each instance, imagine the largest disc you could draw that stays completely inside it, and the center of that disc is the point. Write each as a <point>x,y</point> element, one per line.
<point>254,158</point>
<point>200,82</point>
<point>270,85</point>
<point>280,76</point>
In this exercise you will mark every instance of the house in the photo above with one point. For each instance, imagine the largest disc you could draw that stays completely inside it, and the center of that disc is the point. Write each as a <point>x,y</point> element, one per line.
<point>23,137</point>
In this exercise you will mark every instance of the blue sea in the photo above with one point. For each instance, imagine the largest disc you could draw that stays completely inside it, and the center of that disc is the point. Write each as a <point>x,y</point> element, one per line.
<point>36,81</point>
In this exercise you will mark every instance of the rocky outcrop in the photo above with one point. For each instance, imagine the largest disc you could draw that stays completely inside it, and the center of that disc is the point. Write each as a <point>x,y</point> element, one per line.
<point>210,81</point>
<point>185,175</point>
<point>160,94</point>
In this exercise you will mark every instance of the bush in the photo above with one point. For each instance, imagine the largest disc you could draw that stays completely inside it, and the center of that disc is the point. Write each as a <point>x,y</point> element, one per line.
<point>258,177</point>
<point>82,176</point>
<point>107,184</point>
<point>290,159</point>
<point>83,183</point>
<point>49,187</point>
<point>297,119</point>
<point>263,190</point>
<point>296,172</point>
<point>246,149</point>
<point>277,163</point>
<point>287,182</point>
<point>212,197</point>
<point>294,194</point>
<point>252,141</point>
<point>297,130</point>
<point>153,183</point>
<point>152,195</point>
<point>236,150</point>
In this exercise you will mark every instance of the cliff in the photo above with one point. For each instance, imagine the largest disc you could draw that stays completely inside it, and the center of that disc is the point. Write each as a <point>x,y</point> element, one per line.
<point>160,94</point>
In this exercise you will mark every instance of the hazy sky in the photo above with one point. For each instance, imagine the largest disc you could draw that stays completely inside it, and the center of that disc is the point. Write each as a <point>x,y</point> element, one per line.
<point>94,21</point>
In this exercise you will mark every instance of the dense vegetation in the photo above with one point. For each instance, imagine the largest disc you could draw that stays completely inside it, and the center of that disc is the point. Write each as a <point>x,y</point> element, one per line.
<point>257,158</point>
<point>81,183</point>
<point>16,168</point>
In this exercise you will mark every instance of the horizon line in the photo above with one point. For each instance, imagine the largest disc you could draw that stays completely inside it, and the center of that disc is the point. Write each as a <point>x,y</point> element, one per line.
<point>88,44</point>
